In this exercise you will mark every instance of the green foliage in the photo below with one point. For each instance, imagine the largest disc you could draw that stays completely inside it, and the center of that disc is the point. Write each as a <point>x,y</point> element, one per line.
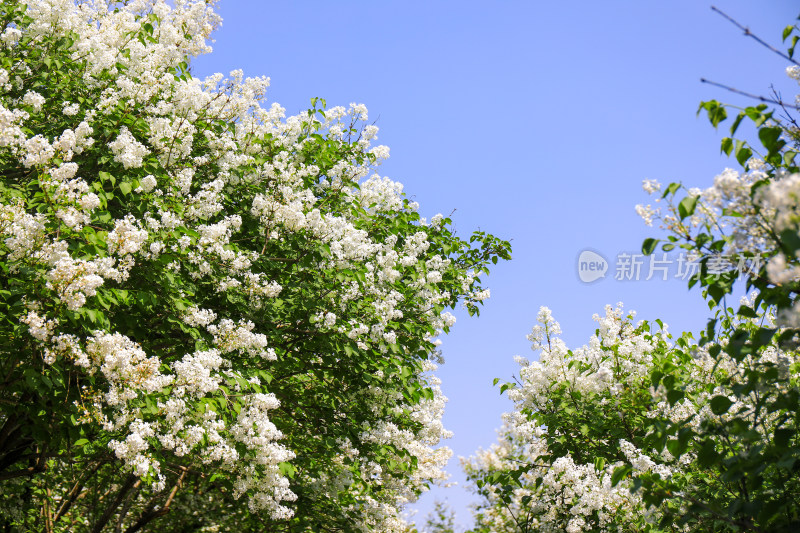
<point>747,453</point>
<point>442,519</point>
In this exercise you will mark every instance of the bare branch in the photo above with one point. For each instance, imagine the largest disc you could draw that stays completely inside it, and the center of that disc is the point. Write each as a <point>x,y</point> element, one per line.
<point>786,115</point>
<point>748,33</point>
<point>750,95</point>
<point>48,513</point>
<point>39,466</point>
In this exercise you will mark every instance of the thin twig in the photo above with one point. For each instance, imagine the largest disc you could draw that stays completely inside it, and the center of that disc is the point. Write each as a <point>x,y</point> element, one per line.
<point>175,488</point>
<point>748,33</point>
<point>750,95</point>
<point>787,115</point>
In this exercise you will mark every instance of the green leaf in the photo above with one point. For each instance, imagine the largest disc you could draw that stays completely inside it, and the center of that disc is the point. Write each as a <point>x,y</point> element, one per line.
<point>105,176</point>
<point>787,461</point>
<point>649,245</point>
<point>737,121</point>
<point>505,386</point>
<point>783,437</point>
<point>707,455</point>
<point>716,112</point>
<point>743,153</point>
<point>769,137</point>
<point>720,404</point>
<point>746,311</point>
<point>287,469</point>
<point>619,473</point>
<point>757,114</point>
<point>687,206</point>
<point>727,145</point>
<point>770,509</point>
<point>672,188</point>
<point>790,241</point>
<point>674,396</point>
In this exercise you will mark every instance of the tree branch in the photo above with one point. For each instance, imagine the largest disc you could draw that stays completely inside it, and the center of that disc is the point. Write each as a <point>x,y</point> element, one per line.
<point>40,466</point>
<point>152,513</point>
<point>123,512</point>
<point>48,514</point>
<point>748,33</point>
<point>76,490</point>
<point>787,115</point>
<point>109,512</point>
<point>750,95</point>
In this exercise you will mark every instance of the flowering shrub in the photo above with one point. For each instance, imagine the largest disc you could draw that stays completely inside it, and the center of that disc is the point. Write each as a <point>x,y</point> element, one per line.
<point>640,432</point>
<point>214,315</point>
<point>578,416</point>
<point>635,432</point>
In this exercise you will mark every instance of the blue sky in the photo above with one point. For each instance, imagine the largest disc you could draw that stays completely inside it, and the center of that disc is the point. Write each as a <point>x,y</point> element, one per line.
<point>535,121</point>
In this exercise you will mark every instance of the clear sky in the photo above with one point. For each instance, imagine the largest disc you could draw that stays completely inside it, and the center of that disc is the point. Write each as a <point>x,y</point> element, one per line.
<point>533,120</point>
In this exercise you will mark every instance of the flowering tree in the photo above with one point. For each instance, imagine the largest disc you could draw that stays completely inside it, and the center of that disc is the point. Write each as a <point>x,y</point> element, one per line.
<point>212,315</point>
<point>639,432</point>
<point>578,416</point>
<point>746,222</point>
<point>635,432</point>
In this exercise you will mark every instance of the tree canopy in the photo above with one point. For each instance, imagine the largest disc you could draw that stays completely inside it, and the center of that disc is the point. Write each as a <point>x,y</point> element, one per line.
<point>212,315</point>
